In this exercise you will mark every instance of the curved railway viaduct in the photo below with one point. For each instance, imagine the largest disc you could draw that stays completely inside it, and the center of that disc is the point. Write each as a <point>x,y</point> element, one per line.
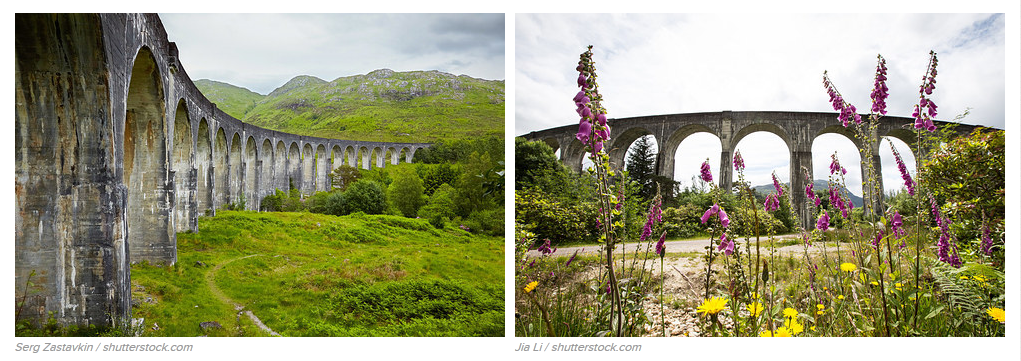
<point>116,150</point>
<point>797,130</point>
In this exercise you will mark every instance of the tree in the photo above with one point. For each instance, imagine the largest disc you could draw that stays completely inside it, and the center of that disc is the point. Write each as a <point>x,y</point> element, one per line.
<point>405,192</point>
<point>532,160</point>
<point>536,166</point>
<point>440,207</point>
<point>362,196</point>
<point>435,175</point>
<point>641,167</point>
<point>344,176</point>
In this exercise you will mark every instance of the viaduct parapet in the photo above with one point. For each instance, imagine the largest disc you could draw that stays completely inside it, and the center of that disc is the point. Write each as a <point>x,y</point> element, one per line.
<point>116,150</point>
<point>797,130</point>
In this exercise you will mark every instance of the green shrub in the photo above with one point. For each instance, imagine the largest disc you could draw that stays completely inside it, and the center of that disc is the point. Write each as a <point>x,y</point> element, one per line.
<point>405,192</point>
<point>362,196</point>
<point>683,221</point>
<point>560,222</point>
<point>440,208</point>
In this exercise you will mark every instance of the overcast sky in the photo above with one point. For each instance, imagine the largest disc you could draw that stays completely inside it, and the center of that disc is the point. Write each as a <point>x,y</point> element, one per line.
<point>263,51</point>
<point>664,64</point>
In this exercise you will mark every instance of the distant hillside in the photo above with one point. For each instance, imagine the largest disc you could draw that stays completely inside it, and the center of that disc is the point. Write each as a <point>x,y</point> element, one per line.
<point>818,185</point>
<point>384,105</point>
<point>233,100</point>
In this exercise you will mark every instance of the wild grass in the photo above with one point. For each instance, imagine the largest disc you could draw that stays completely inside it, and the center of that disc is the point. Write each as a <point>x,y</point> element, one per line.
<point>307,274</point>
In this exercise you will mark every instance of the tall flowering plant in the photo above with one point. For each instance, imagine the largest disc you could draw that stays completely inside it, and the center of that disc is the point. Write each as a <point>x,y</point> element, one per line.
<point>594,132</point>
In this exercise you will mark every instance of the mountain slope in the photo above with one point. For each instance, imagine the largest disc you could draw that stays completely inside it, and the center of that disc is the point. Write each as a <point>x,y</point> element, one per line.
<point>233,100</point>
<point>383,105</point>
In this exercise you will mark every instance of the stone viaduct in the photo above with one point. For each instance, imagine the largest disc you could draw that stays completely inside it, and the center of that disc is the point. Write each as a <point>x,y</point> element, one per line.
<point>116,150</point>
<point>797,130</point>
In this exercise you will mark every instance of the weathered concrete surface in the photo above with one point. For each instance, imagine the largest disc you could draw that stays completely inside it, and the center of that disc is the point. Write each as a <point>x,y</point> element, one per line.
<point>116,150</point>
<point>797,130</point>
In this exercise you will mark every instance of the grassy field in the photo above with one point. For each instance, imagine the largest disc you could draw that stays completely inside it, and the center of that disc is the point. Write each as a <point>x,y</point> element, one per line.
<point>305,274</point>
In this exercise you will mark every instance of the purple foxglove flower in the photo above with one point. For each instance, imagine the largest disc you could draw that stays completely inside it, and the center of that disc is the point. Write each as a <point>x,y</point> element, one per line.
<point>875,240</point>
<point>707,175</point>
<point>724,219</point>
<point>772,202</point>
<point>776,185</point>
<point>987,241</point>
<point>582,81</point>
<point>896,220</point>
<point>726,246</point>
<point>646,231</point>
<point>569,260</point>
<point>586,113</point>
<point>581,98</point>
<point>879,89</point>
<point>708,213</point>
<point>545,248</point>
<point>661,245</point>
<point>602,121</point>
<point>597,147</point>
<point>897,224</point>
<point>824,222</point>
<point>584,131</point>
<point>904,174</point>
<point>738,161</point>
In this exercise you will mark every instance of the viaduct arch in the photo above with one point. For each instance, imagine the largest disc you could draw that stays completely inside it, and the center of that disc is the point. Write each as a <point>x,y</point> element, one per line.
<point>116,150</point>
<point>796,129</point>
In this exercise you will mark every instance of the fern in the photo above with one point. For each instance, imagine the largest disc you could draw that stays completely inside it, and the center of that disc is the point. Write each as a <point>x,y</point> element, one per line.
<point>949,286</point>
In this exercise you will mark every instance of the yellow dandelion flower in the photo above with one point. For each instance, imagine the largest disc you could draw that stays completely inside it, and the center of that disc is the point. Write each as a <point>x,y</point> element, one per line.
<point>794,326</point>
<point>997,314</point>
<point>898,285</point>
<point>874,283</point>
<point>782,332</point>
<point>755,308</point>
<point>820,307</point>
<point>531,286</point>
<point>824,288</point>
<point>790,312</point>
<point>812,328</point>
<point>712,306</point>
<point>840,297</point>
<point>820,312</point>
<point>848,267</point>
<point>765,333</point>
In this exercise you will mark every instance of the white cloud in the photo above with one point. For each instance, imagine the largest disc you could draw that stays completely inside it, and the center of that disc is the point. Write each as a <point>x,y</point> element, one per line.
<point>263,51</point>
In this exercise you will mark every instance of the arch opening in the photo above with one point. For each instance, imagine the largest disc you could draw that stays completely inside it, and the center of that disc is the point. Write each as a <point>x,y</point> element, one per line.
<point>220,168</point>
<point>236,173</point>
<point>691,151</point>
<point>203,152</point>
<point>183,174</point>
<point>251,174</point>
<point>149,232</point>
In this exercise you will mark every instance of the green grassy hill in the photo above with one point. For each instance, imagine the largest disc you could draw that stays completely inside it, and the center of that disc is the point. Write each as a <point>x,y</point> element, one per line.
<point>306,274</point>
<point>231,99</point>
<point>384,105</point>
